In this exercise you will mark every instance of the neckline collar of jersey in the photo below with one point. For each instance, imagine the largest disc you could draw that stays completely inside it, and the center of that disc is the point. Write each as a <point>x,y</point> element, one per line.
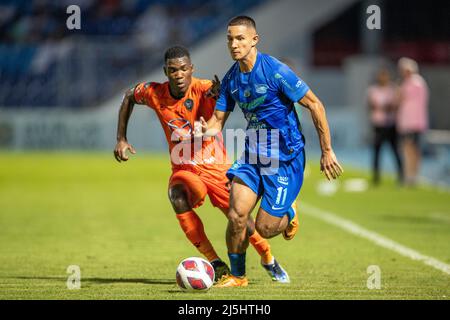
<point>169,94</point>
<point>172,96</point>
<point>255,66</point>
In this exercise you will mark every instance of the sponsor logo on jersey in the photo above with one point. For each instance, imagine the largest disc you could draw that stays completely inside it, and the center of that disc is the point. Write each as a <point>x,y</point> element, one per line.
<point>283,80</point>
<point>283,180</point>
<point>261,88</point>
<point>235,165</point>
<point>252,104</point>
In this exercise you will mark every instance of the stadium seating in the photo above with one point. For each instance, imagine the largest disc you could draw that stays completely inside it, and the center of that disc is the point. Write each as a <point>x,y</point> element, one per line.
<point>43,63</point>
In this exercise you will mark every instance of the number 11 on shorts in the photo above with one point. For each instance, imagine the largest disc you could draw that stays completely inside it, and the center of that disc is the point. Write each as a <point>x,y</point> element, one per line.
<point>281,192</point>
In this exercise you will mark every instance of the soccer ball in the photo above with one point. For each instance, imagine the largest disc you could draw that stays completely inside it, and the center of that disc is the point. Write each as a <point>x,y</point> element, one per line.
<point>195,274</point>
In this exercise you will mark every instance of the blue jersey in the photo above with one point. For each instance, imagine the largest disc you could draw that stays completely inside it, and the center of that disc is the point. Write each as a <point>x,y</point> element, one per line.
<point>266,96</point>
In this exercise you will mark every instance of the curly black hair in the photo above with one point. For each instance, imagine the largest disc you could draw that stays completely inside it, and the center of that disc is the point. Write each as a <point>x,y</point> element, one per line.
<point>176,52</point>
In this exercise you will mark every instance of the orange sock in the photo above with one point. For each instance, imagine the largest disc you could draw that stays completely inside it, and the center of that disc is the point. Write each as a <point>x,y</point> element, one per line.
<point>195,232</point>
<point>262,246</point>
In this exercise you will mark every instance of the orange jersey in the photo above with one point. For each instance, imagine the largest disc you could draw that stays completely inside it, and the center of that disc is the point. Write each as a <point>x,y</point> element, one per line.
<point>178,116</point>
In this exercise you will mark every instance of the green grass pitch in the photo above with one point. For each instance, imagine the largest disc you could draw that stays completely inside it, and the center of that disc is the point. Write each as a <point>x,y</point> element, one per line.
<point>116,223</point>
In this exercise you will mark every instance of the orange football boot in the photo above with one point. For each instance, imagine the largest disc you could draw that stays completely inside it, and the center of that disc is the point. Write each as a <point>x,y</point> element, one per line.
<point>292,227</point>
<point>229,281</point>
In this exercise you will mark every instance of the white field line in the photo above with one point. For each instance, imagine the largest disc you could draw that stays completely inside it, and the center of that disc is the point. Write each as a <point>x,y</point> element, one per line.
<point>374,237</point>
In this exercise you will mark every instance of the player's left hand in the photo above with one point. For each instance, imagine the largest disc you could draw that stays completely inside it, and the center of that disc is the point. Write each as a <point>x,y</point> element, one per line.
<point>198,128</point>
<point>214,91</point>
<point>205,130</point>
<point>330,166</point>
<point>203,125</point>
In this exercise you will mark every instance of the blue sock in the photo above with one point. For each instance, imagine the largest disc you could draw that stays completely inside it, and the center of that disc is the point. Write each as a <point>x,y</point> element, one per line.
<point>237,264</point>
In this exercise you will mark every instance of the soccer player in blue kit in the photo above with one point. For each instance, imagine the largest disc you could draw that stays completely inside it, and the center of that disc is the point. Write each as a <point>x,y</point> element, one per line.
<point>265,89</point>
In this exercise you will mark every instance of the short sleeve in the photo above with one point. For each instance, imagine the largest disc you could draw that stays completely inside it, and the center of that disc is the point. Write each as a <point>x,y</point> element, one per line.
<point>225,102</point>
<point>142,92</point>
<point>289,83</point>
<point>204,85</point>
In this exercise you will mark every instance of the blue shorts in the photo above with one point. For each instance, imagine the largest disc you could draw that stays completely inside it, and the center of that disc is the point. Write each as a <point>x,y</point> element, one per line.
<point>278,190</point>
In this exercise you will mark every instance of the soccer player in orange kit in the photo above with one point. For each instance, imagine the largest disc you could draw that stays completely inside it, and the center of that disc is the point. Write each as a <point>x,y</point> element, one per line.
<point>179,103</point>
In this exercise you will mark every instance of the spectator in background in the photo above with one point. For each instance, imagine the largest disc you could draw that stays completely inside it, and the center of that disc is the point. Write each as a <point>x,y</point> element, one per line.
<point>381,101</point>
<point>153,28</point>
<point>412,115</point>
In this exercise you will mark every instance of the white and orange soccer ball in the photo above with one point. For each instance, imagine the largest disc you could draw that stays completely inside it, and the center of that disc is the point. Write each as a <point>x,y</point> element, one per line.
<point>195,274</point>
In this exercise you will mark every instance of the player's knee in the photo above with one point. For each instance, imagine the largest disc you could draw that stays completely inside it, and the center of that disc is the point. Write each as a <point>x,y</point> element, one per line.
<point>238,221</point>
<point>178,199</point>
<point>239,210</point>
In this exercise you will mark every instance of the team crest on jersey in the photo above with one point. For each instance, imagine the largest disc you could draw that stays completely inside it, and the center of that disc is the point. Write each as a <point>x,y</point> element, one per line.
<point>189,103</point>
<point>261,88</point>
<point>247,92</point>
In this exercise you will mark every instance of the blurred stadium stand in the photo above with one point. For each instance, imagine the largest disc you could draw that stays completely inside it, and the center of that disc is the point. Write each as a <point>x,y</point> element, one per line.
<point>61,89</point>
<point>414,28</point>
<point>43,63</point>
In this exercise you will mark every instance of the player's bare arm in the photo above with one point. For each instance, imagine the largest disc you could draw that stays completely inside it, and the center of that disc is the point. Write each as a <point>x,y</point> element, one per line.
<point>328,162</point>
<point>215,124</point>
<point>122,145</point>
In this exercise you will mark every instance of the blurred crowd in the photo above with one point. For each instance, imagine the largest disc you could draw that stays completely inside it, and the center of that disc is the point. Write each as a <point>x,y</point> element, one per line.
<point>35,41</point>
<point>37,21</point>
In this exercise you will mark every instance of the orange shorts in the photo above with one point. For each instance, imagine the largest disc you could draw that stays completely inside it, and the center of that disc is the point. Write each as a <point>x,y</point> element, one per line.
<point>213,183</point>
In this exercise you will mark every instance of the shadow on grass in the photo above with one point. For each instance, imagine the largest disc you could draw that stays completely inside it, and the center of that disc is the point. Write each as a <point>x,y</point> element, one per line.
<point>105,280</point>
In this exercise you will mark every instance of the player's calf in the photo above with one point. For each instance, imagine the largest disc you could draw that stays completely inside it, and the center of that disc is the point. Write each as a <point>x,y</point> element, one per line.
<point>269,226</point>
<point>267,231</point>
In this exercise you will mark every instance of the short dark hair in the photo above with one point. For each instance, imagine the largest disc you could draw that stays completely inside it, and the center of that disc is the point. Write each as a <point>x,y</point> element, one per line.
<point>242,21</point>
<point>176,52</point>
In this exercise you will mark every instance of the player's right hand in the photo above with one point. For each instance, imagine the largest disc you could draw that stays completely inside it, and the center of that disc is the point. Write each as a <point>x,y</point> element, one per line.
<point>206,130</point>
<point>120,151</point>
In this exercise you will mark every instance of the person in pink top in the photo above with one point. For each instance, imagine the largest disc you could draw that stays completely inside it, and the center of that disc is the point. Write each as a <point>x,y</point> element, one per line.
<point>412,117</point>
<point>381,99</point>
